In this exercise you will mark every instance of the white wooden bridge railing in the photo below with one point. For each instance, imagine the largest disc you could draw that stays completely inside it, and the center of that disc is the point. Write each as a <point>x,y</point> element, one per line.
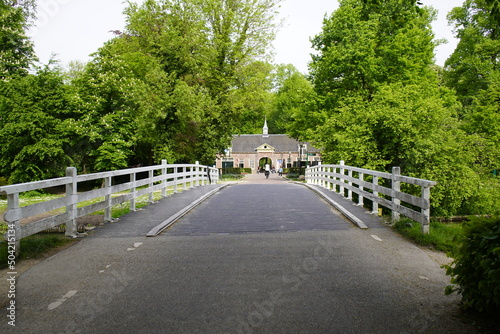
<point>347,180</point>
<point>159,178</point>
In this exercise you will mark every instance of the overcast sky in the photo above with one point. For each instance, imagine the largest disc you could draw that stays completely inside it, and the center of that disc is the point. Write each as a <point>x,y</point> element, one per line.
<point>73,29</point>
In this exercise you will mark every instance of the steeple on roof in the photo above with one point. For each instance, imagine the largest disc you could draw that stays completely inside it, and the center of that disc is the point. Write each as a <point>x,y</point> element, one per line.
<point>265,129</point>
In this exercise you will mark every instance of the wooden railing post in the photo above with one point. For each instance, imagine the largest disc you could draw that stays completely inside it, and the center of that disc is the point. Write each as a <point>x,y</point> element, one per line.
<point>214,175</point>
<point>396,187</point>
<point>176,179</point>
<point>107,199</point>
<point>336,178</point>
<point>360,196</point>
<point>14,227</point>
<point>71,200</point>
<point>342,172</point>
<point>197,174</point>
<point>204,171</point>
<point>133,191</point>
<point>349,191</point>
<point>426,212</point>
<point>151,187</point>
<point>375,194</point>
<point>184,182</point>
<point>331,185</point>
<point>164,181</point>
<point>321,176</point>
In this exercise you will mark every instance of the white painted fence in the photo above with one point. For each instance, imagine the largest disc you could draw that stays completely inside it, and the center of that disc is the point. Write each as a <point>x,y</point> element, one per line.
<point>159,178</point>
<point>347,180</point>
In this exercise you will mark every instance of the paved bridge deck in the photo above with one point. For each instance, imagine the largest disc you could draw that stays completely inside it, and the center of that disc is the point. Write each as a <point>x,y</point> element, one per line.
<point>260,256</point>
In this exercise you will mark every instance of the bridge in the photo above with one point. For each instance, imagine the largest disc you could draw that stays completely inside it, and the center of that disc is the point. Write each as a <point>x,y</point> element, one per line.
<point>253,256</point>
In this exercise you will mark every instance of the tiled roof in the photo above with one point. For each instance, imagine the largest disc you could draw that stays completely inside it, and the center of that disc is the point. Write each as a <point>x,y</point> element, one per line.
<point>281,143</point>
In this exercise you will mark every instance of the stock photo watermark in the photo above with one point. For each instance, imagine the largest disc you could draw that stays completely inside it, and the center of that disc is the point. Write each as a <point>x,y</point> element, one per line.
<point>11,274</point>
<point>116,281</point>
<point>293,281</point>
<point>300,273</point>
<point>46,11</point>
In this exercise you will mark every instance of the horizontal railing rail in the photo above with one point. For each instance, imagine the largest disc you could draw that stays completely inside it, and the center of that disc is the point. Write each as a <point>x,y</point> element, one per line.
<point>347,180</point>
<point>138,182</point>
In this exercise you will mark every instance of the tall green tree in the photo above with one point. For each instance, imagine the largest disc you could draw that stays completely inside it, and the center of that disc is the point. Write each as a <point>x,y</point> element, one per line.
<point>380,101</point>
<point>473,65</point>
<point>252,98</point>
<point>216,48</point>
<point>366,47</point>
<point>367,43</point>
<point>38,121</point>
<point>293,98</point>
<point>177,83</point>
<point>473,71</point>
<point>16,49</point>
<point>106,125</point>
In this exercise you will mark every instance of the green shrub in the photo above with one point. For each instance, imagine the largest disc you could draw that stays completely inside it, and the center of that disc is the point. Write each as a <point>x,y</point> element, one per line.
<point>475,271</point>
<point>33,194</point>
<point>3,182</point>
<point>236,170</point>
<point>231,177</point>
<point>294,170</point>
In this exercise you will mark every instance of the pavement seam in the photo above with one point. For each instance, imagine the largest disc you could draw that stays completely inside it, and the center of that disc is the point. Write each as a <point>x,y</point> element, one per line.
<point>175,217</point>
<point>346,213</point>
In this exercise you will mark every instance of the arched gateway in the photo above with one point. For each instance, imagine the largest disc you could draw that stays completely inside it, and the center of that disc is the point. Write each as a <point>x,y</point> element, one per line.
<point>250,151</point>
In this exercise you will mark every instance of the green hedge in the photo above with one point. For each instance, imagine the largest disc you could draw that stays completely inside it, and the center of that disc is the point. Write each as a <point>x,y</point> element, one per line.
<point>236,170</point>
<point>475,271</point>
<point>294,170</point>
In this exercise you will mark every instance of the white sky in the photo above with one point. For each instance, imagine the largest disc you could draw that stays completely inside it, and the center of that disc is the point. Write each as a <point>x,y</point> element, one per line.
<point>73,29</point>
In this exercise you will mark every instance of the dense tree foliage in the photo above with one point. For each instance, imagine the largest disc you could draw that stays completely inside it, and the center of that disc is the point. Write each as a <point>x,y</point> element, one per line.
<point>37,115</point>
<point>16,50</point>
<point>380,102</point>
<point>366,44</point>
<point>185,75</point>
<point>190,75</point>
<point>293,92</point>
<point>473,71</point>
<point>176,84</point>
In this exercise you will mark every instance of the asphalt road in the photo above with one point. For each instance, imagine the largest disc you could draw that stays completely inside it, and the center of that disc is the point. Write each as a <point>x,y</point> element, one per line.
<point>254,258</point>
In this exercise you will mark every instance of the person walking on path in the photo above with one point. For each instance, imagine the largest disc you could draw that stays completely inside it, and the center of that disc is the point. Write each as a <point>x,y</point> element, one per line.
<point>267,170</point>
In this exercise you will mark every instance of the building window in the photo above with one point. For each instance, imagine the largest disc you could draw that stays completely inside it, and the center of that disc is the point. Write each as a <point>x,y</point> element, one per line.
<point>227,162</point>
<point>252,164</point>
<point>242,163</point>
<point>303,149</point>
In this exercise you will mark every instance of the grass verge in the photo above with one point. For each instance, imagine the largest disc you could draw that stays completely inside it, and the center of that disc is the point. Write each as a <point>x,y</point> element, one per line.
<point>34,246</point>
<point>441,236</point>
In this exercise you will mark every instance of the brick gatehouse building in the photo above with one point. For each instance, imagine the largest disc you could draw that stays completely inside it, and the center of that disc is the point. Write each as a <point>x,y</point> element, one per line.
<point>254,151</point>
